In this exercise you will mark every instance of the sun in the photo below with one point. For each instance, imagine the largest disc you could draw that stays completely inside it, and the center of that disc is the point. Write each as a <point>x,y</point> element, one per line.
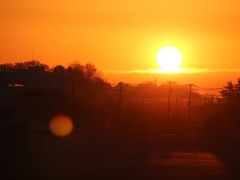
<point>169,59</point>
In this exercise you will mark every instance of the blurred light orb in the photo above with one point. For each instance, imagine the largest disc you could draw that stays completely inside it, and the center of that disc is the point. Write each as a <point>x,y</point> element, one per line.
<point>61,125</point>
<point>169,58</point>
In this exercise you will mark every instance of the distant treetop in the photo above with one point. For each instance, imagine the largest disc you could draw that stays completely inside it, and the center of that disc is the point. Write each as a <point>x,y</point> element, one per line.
<point>231,92</point>
<point>87,71</point>
<point>35,66</point>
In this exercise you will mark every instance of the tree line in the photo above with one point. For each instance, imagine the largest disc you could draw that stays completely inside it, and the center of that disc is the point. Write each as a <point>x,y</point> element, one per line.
<point>231,92</point>
<point>88,70</point>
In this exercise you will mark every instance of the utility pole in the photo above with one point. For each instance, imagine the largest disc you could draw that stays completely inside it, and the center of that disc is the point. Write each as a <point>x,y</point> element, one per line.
<point>177,102</point>
<point>32,56</point>
<point>169,101</point>
<point>169,104</point>
<point>190,105</point>
<point>72,92</point>
<point>212,99</point>
<point>120,94</point>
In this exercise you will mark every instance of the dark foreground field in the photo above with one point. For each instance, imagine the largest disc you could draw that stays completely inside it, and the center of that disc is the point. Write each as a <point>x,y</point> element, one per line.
<point>93,158</point>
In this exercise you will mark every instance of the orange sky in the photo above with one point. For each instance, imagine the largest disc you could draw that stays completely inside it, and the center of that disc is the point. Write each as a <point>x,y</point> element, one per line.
<point>121,35</point>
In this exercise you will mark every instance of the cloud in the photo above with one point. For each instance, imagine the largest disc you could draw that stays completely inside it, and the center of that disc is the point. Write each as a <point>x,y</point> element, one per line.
<point>181,70</point>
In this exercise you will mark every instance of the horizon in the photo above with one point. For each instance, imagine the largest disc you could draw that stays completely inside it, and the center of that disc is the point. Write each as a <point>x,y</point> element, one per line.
<point>202,77</point>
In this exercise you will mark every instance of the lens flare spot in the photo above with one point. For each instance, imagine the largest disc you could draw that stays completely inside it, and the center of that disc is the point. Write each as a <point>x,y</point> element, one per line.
<point>61,125</point>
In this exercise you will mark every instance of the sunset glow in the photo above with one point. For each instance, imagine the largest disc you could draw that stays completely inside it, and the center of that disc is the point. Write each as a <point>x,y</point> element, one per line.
<point>122,36</point>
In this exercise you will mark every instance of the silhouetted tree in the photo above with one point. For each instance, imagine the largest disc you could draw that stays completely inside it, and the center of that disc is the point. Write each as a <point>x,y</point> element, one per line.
<point>76,67</point>
<point>237,89</point>
<point>90,71</point>
<point>35,66</point>
<point>58,69</point>
<point>6,67</point>
<point>229,92</point>
<point>20,66</point>
<point>24,66</point>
